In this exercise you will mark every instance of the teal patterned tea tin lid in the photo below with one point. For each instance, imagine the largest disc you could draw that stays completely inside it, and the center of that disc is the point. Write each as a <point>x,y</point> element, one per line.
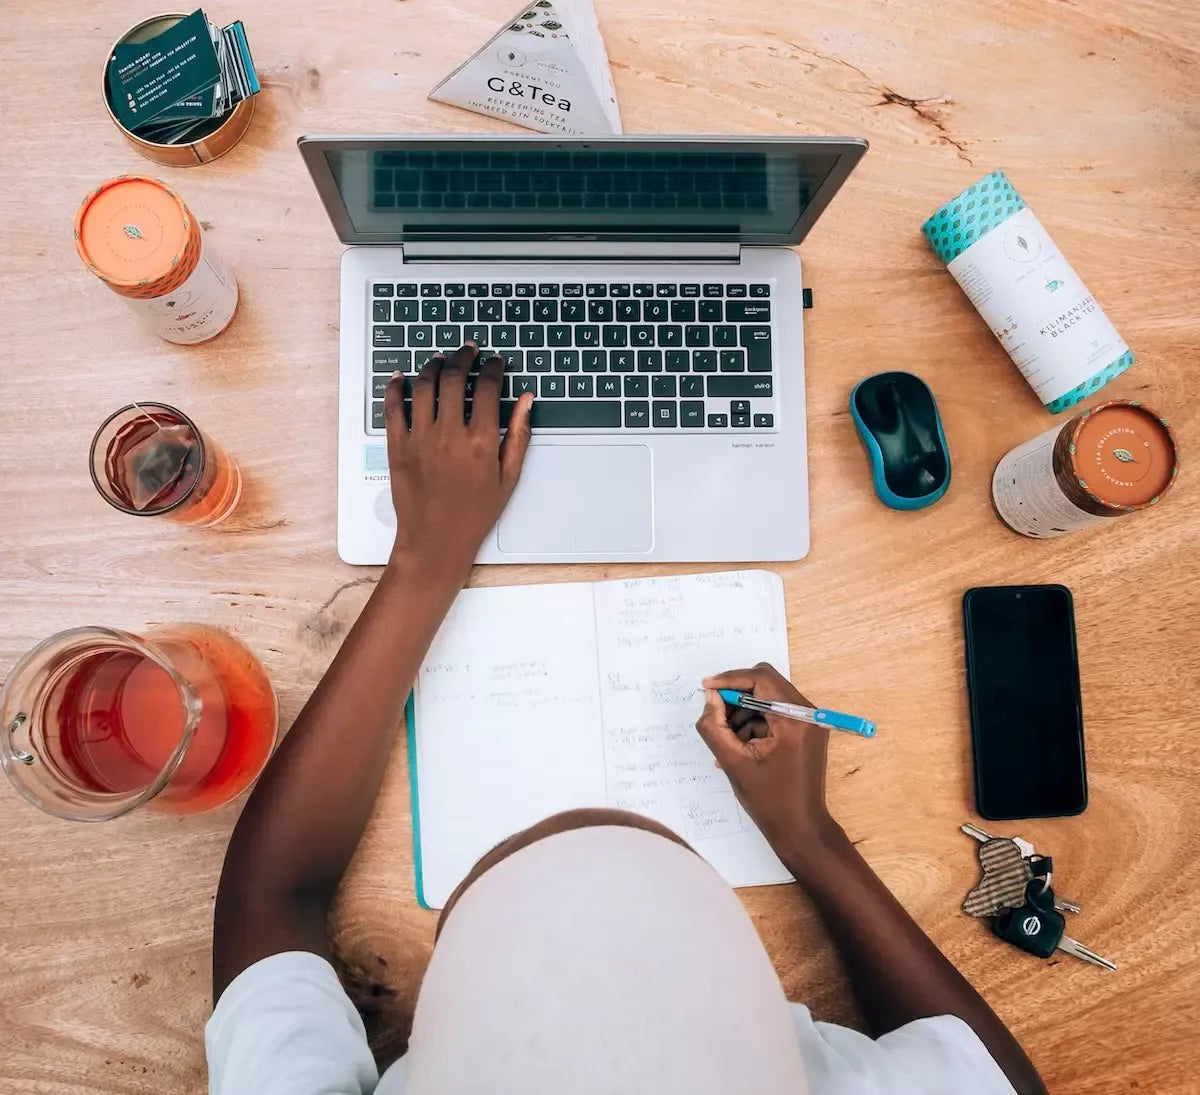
<point>984,205</point>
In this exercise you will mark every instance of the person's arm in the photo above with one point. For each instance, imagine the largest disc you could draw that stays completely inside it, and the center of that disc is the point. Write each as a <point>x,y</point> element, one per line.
<point>304,819</point>
<point>777,769</point>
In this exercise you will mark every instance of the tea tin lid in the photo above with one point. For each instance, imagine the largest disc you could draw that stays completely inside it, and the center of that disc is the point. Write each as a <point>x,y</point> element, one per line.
<point>1123,455</point>
<point>134,231</point>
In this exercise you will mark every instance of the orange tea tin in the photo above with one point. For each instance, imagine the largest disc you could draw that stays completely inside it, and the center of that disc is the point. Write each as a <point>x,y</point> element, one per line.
<point>225,132</point>
<point>1115,459</point>
<point>138,236</point>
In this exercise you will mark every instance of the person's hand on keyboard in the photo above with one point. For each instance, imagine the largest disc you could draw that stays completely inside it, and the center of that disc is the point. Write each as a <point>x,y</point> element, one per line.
<point>451,478</point>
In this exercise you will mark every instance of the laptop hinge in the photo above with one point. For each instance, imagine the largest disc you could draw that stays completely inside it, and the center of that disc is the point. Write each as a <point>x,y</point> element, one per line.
<point>569,251</point>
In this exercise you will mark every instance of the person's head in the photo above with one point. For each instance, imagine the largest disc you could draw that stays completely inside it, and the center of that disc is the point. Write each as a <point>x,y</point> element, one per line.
<point>556,823</point>
<point>596,952</point>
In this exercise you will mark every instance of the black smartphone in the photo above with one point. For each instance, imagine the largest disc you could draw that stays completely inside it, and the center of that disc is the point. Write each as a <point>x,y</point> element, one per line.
<point>1026,713</point>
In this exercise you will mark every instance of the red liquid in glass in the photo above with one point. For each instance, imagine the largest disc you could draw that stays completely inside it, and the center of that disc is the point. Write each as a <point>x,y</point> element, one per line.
<point>115,719</point>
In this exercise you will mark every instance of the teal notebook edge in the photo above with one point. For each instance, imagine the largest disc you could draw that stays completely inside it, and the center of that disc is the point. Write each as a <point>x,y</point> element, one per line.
<point>410,722</point>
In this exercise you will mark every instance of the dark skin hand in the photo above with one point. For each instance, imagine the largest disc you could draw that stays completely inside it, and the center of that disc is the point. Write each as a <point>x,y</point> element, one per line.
<point>777,769</point>
<point>450,482</point>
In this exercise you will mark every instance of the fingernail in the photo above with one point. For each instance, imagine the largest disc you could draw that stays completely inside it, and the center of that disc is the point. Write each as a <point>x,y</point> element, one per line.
<point>396,375</point>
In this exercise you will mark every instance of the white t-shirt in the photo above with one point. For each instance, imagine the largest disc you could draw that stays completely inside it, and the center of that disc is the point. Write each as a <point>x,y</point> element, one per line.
<point>601,961</point>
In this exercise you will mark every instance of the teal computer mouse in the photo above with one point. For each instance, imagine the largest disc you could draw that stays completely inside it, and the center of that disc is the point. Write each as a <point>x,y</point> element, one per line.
<point>899,425</point>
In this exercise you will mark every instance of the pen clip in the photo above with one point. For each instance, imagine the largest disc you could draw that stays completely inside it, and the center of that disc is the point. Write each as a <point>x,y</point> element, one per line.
<point>853,723</point>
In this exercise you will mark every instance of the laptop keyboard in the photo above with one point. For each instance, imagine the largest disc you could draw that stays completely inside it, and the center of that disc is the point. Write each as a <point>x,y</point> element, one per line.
<point>623,355</point>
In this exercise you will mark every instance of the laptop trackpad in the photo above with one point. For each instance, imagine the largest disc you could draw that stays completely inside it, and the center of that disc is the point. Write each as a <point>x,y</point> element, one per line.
<point>581,499</point>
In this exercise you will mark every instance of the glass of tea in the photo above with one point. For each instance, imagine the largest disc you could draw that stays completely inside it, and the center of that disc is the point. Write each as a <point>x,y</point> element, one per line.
<point>151,460</point>
<point>97,722</point>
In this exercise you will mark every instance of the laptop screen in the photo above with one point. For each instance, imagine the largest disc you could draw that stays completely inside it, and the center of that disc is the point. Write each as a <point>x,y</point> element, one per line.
<point>616,189</point>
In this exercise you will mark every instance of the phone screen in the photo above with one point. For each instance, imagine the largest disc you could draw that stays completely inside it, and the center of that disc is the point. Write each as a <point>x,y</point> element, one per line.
<point>1026,717</point>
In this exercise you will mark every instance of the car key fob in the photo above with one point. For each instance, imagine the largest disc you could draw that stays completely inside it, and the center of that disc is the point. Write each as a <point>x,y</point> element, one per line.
<point>1036,926</point>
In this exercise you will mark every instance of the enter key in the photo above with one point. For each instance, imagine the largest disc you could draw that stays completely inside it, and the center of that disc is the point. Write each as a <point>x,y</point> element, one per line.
<point>757,342</point>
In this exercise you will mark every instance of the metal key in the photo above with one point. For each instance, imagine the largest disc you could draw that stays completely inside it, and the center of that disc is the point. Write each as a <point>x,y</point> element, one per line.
<point>1028,851</point>
<point>976,833</point>
<point>1078,950</point>
<point>1037,928</point>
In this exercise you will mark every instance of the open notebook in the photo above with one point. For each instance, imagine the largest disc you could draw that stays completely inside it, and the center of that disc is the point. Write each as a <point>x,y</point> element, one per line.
<point>535,699</point>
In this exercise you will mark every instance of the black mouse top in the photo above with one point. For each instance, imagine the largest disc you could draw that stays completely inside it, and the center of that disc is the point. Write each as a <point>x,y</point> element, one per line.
<point>898,421</point>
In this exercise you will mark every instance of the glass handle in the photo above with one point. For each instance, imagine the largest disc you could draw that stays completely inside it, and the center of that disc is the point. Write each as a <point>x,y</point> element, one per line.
<point>18,753</point>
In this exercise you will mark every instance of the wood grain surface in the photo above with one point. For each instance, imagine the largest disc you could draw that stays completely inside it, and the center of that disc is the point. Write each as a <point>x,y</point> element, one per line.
<point>1090,105</point>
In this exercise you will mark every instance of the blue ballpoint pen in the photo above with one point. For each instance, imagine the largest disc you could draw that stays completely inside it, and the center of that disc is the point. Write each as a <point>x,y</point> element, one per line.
<point>852,724</point>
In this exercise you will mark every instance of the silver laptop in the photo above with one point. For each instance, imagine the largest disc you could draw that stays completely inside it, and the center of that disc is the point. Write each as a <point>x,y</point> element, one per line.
<point>643,288</point>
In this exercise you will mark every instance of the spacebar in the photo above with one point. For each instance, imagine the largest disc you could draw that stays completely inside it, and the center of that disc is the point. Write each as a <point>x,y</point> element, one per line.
<point>574,414</point>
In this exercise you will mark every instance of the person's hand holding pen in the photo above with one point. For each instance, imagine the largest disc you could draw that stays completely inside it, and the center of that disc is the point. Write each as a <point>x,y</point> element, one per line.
<point>776,765</point>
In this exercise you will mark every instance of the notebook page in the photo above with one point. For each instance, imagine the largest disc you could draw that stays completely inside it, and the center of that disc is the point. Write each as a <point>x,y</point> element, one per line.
<point>657,638</point>
<point>507,715</point>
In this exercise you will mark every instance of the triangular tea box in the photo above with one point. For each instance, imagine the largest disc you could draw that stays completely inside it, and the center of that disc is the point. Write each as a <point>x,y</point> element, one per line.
<point>546,70</point>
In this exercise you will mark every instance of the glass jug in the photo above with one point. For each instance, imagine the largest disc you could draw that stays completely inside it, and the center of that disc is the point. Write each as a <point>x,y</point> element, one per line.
<point>96,722</point>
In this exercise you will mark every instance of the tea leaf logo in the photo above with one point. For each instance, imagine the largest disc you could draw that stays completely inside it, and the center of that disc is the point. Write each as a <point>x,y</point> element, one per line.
<point>133,231</point>
<point>1124,455</point>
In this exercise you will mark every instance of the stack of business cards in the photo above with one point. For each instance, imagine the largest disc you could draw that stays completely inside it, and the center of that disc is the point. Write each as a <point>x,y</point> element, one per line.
<point>168,89</point>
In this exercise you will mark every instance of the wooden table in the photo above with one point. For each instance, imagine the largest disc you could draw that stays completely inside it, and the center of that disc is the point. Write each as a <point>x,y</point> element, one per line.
<point>104,930</point>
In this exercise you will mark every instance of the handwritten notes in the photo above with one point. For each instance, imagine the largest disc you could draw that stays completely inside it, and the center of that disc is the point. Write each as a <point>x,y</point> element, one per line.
<point>507,726</point>
<point>544,698</point>
<point>656,639</point>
